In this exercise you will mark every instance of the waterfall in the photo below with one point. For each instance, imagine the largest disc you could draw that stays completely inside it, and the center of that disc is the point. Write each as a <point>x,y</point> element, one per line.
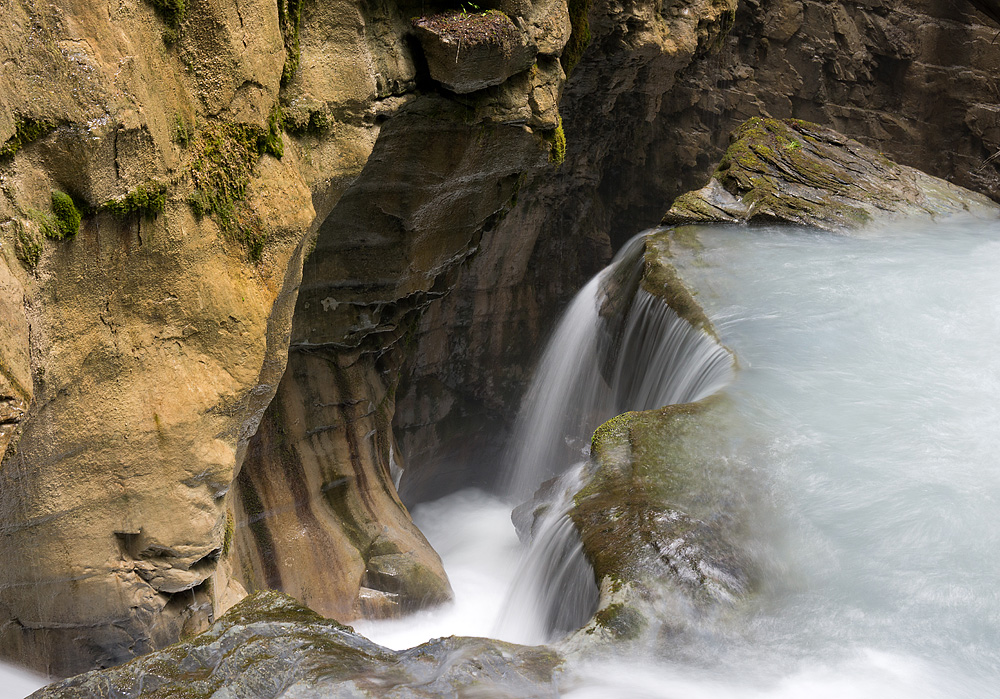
<point>553,592</point>
<point>598,364</point>
<point>617,348</point>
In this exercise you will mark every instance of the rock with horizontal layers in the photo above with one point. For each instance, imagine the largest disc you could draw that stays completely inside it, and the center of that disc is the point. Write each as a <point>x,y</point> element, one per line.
<point>138,355</point>
<point>469,51</point>
<point>792,171</point>
<point>269,646</point>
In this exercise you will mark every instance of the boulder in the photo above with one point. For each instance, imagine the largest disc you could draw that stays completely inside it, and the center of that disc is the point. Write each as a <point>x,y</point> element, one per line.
<point>470,51</point>
<point>270,646</point>
<point>792,171</point>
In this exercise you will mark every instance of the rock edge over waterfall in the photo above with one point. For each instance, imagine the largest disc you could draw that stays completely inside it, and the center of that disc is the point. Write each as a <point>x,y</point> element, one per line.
<point>792,171</point>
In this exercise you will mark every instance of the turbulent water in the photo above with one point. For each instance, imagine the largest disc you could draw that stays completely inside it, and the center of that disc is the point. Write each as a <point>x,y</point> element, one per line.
<point>16,683</point>
<point>869,374</point>
<point>869,377</point>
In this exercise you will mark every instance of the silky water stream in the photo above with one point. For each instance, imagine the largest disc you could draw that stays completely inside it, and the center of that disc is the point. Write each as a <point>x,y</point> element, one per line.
<point>869,376</point>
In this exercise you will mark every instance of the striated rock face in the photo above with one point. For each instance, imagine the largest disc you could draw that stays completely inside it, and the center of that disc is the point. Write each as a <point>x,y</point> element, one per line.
<point>202,153</point>
<point>439,182</point>
<point>269,646</point>
<point>143,348</point>
<point>793,171</point>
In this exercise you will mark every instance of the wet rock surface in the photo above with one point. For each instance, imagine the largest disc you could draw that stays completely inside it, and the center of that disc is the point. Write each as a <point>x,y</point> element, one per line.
<point>269,646</point>
<point>792,171</point>
<point>660,521</point>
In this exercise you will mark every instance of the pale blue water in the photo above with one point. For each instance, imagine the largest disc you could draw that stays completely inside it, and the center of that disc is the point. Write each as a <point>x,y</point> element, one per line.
<point>870,369</point>
<point>870,378</point>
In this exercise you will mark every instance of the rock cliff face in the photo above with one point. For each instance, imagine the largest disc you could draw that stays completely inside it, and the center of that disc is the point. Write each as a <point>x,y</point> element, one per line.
<point>165,169</point>
<point>201,151</point>
<point>145,346</point>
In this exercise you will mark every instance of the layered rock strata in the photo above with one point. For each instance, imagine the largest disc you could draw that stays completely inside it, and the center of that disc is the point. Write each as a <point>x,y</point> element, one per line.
<point>165,170</point>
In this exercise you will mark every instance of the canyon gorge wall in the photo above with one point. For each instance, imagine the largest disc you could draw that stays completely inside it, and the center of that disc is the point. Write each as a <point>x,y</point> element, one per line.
<point>647,116</point>
<point>263,182</point>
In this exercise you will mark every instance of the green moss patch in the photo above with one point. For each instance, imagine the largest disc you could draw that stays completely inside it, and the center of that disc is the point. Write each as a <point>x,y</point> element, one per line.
<point>289,20</point>
<point>171,11</point>
<point>146,200</point>
<point>557,144</point>
<point>26,130</point>
<point>622,621</point>
<point>67,216</point>
<point>28,246</point>
<point>226,159</point>
<point>579,38</point>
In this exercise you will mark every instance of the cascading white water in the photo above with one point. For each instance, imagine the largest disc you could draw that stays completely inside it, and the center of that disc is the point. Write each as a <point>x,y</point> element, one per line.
<point>599,363</point>
<point>553,590</point>
<point>657,359</point>
<point>869,380</point>
<point>16,683</point>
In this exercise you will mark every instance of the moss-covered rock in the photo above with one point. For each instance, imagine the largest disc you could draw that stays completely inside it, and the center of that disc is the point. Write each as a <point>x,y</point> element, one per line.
<point>67,216</point>
<point>792,171</point>
<point>270,646</point>
<point>662,520</point>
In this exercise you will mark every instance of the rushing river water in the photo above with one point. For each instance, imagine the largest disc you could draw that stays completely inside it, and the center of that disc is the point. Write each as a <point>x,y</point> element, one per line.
<point>869,373</point>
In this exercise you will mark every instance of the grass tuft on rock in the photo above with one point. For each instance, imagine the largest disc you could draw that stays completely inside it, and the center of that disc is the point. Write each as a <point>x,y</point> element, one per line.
<point>474,28</point>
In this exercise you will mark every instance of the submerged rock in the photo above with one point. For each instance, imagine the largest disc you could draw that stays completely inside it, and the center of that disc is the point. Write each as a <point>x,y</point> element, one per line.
<point>270,646</point>
<point>792,171</point>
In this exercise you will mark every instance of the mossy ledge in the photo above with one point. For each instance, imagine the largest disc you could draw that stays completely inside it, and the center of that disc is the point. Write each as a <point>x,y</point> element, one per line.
<point>26,130</point>
<point>652,522</point>
<point>225,160</point>
<point>146,200</point>
<point>793,171</point>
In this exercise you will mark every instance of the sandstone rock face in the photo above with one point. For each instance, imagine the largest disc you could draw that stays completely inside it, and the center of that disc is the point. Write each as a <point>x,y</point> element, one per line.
<point>269,646</point>
<point>145,347</point>
<point>793,171</point>
<point>137,356</point>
